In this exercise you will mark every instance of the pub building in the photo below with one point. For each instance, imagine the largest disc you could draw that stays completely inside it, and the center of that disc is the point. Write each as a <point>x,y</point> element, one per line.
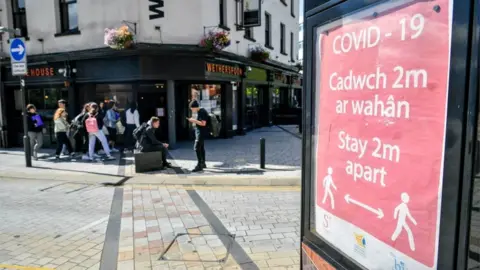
<point>162,79</point>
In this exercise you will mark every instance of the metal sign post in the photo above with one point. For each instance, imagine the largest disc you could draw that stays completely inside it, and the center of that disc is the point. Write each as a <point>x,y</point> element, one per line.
<point>18,58</point>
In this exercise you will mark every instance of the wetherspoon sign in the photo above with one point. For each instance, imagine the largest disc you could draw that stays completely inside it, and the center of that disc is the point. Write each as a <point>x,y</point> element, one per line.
<point>382,87</point>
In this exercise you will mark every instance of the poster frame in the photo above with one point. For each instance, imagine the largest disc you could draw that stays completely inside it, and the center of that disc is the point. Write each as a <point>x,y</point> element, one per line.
<point>461,132</point>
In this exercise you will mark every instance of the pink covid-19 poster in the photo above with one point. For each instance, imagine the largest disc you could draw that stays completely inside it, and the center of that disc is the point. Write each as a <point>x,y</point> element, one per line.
<point>381,95</point>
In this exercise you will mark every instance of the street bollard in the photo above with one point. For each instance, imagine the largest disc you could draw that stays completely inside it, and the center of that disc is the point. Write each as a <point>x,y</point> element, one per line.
<point>262,153</point>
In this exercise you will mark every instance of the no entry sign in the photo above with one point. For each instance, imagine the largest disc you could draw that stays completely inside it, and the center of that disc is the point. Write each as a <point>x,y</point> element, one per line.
<point>382,87</point>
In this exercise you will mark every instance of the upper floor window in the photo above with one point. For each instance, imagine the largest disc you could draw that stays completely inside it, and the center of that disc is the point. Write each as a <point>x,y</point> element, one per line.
<point>291,47</point>
<point>19,16</point>
<point>223,12</point>
<point>249,33</point>
<point>268,30</point>
<point>292,8</point>
<point>282,38</point>
<point>68,16</point>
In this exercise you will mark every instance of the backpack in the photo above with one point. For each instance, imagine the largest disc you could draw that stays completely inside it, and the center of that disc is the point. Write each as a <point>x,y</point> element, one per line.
<point>139,132</point>
<point>91,124</point>
<point>214,125</point>
<point>37,119</point>
<point>75,126</point>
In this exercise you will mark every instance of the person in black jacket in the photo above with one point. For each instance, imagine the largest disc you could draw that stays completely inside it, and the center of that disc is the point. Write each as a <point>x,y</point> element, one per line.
<point>201,132</point>
<point>35,129</point>
<point>150,143</point>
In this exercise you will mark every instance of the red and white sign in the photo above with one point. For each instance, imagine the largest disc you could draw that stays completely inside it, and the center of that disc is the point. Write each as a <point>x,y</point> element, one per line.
<point>382,87</point>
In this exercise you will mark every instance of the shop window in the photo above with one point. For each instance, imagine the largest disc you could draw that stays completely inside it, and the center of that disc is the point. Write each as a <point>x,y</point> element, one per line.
<point>209,96</point>
<point>122,94</point>
<point>294,99</point>
<point>68,16</point>
<point>20,16</point>
<point>253,96</point>
<point>276,97</point>
<point>36,97</point>
<point>52,95</point>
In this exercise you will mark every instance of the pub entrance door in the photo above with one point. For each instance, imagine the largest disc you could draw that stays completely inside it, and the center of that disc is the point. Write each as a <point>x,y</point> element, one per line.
<point>153,102</point>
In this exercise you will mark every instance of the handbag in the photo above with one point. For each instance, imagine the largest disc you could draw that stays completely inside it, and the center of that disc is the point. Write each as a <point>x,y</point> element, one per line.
<point>120,127</point>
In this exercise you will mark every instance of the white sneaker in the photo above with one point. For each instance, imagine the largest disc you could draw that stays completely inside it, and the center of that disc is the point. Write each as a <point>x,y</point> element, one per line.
<point>101,152</point>
<point>114,150</point>
<point>96,156</point>
<point>86,157</point>
<point>110,158</point>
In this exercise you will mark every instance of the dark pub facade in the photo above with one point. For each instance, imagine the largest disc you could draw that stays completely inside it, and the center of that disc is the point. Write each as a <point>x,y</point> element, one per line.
<point>162,79</point>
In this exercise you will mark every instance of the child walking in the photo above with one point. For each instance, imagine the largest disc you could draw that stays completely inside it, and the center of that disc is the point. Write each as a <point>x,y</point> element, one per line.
<point>61,128</point>
<point>94,125</point>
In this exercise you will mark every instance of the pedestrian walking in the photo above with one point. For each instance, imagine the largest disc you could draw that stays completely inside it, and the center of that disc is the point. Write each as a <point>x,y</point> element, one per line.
<point>110,121</point>
<point>79,132</point>
<point>61,128</point>
<point>132,120</point>
<point>62,104</point>
<point>94,125</point>
<point>35,129</point>
<point>201,132</point>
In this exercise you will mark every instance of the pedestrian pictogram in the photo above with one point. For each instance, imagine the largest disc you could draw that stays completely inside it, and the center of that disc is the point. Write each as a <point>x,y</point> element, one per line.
<point>401,214</point>
<point>327,185</point>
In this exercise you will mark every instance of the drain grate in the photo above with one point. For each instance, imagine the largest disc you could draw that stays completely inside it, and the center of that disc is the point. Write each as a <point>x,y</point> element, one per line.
<point>193,247</point>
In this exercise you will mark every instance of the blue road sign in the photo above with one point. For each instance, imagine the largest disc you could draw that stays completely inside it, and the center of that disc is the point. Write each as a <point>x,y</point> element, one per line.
<point>18,51</point>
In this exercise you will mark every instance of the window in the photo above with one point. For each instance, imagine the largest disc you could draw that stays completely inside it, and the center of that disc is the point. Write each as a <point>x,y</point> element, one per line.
<point>292,8</point>
<point>268,30</point>
<point>282,38</point>
<point>291,47</point>
<point>19,16</point>
<point>249,33</point>
<point>68,16</point>
<point>223,13</point>
<point>210,98</point>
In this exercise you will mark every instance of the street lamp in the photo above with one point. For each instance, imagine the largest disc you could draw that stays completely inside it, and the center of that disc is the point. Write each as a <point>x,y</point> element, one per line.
<point>16,31</point>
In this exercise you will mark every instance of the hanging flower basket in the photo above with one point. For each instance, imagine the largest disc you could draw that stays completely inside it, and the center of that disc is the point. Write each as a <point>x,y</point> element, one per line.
<point>259,54</point>
<point>119,38</point>
<point>216,40</point>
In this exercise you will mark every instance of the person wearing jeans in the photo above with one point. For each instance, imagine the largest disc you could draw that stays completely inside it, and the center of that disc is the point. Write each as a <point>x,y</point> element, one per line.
<point>35,130</point>
<point>94,124</point>
<point>61,127</point>
<point>201,132</point>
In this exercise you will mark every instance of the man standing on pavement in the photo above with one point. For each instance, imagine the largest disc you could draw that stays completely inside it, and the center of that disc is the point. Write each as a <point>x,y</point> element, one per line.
<point>201,131</point>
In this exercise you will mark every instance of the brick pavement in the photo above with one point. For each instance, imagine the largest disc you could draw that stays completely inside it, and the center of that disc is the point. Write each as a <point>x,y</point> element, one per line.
<point>267,223</point>
<point>152,217</point>
<point>62,227</point>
